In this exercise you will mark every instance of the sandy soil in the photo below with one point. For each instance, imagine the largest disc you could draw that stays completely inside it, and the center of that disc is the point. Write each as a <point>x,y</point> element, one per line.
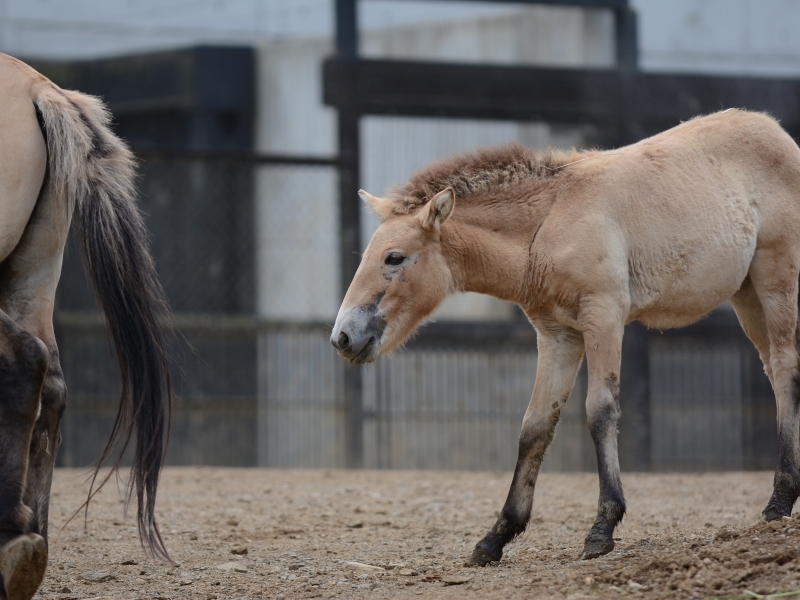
<point>239,533</point>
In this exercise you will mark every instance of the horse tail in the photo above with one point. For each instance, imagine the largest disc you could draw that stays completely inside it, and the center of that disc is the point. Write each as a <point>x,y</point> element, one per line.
<point>93,172</point>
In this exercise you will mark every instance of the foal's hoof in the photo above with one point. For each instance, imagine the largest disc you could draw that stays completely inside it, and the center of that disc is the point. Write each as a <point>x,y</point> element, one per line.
<point>483,554</point>
<point>22,564</point>
<point>772,513</point>
<point>596,547</point>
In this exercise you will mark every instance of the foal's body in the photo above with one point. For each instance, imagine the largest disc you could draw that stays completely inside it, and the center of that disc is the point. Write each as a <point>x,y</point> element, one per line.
<point>661,231</point>
<point>59,160</point>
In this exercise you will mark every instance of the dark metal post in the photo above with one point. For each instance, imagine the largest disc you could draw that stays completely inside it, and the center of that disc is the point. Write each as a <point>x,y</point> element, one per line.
<point>635,434</point>
<point>627,65</point>
<point>350,220</point>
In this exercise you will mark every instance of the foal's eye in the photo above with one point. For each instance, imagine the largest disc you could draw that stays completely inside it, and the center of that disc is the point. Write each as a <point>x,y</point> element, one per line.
<point>394,259</point>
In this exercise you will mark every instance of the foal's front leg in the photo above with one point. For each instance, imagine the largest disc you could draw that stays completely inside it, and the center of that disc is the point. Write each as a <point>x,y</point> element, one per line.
<point>560,353</point>
<point>603,357</point>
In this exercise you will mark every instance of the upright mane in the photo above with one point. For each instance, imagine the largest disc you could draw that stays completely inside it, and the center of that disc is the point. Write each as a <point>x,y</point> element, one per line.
<point>475,172</point>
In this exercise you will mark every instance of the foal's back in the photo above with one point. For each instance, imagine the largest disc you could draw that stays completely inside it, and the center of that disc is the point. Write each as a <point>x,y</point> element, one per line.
<point>683,213</point>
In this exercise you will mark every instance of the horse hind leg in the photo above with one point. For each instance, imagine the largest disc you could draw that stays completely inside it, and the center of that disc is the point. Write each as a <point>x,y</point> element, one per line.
<point>776,286</point>
<point>23,365</point>
<point>28,280</point>
<point>751,317</point>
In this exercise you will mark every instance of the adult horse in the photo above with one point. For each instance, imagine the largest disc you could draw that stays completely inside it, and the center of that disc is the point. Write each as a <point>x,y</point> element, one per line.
<point>661,231</point>
<point>58,159</point>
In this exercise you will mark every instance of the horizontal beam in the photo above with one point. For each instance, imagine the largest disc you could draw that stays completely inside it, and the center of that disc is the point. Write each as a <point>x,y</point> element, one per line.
<point>485,92</point>
<point>565,96</point>
<point>232,155</point>
<point>617,4</point>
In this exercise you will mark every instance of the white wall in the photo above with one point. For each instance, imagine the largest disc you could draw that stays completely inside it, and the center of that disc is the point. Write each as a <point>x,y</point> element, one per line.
<point>744,37</point>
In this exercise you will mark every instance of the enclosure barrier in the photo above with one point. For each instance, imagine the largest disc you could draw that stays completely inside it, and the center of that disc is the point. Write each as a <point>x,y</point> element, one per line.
<point>259,393</point>
<point>270,391</point>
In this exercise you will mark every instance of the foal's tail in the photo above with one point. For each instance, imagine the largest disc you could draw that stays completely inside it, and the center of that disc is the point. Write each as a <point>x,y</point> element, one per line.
<point>92,173</point>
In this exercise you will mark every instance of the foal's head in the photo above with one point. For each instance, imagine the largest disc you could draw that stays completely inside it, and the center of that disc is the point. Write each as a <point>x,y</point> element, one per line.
<point>402,278</point>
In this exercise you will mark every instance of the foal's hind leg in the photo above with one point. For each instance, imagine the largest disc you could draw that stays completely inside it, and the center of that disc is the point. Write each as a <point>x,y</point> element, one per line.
<point>775,282</point>
<point>560,353</point>
<point>751,317</point>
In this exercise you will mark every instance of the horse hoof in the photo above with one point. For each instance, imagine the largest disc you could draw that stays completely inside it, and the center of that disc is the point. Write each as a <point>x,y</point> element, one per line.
<point>772,513</point>
<point>483,555</point>
<point>596,547</point>
<point>22,564</point>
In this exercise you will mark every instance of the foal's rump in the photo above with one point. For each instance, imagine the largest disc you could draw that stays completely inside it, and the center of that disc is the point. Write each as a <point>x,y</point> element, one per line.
<point>702,198</point>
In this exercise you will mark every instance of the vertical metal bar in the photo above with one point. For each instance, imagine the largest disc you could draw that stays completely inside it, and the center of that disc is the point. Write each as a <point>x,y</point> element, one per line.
<point>627,39</point>
<point>636,439</point>
<point>346,29</point>
<point>635,425</point>
<point>350,221</point>
<point>627,47</point>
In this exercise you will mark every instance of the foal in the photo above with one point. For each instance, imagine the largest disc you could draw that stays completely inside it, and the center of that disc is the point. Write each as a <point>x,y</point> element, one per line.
<point>661,231</point>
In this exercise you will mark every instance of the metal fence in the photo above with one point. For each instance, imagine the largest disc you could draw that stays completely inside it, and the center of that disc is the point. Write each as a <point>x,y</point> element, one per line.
<point>269,391</point>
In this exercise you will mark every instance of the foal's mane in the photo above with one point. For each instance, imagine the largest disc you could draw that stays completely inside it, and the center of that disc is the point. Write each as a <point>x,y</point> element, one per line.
<point>473,173</point>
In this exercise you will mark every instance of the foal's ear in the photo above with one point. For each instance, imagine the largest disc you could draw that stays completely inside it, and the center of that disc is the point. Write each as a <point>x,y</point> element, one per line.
<point>435,212</point>
<point>380,206</point>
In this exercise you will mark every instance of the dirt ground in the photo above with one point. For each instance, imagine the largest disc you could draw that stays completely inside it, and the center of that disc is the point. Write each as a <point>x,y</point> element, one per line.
<point>239,533</point>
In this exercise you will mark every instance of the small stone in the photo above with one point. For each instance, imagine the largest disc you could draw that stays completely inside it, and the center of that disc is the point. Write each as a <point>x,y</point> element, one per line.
<point>724,534</point>
<point>408,572</point>
<point>363,566</point>
<point>65,590</point>
<point>636,586</point>
<point>616,589</point>
<point>233,566</point>
<point>456,579</point>
<point>129,561</point>
<point>588,580</point>
<point>96,576</point>
<point>185,582</point>
<point>241,551</point>
<point>356,525</point>
<point>232,522</point>
<point>193,537</point>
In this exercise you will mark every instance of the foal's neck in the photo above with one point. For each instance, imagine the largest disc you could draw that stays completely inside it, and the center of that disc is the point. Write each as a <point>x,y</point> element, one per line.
<point>487,243</point>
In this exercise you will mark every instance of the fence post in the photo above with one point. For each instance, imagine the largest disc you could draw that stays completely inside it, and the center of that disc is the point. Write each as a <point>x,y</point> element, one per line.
<point>350,221</point>
<point>635,439</point>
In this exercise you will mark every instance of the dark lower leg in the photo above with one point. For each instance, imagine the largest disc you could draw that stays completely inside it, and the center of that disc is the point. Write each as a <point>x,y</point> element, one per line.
<point>786,485</point>
<point>560,354</point>
<point>44,446</point>
<point>23,364</point>
<point>611,505</point>
<point>517,509</point>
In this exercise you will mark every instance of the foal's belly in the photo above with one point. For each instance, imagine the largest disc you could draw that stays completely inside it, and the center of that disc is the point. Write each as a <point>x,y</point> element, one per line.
<point>677,293</point>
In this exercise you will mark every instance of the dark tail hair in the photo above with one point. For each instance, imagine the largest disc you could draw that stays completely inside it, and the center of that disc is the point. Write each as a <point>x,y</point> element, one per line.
<point>93,173</point>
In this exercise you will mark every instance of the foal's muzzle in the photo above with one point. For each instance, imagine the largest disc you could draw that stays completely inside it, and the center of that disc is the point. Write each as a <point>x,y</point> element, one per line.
<point>357,335</point>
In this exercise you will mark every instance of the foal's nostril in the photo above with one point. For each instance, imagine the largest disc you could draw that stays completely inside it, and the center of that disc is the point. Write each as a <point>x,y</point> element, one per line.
<point>343,341</point>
